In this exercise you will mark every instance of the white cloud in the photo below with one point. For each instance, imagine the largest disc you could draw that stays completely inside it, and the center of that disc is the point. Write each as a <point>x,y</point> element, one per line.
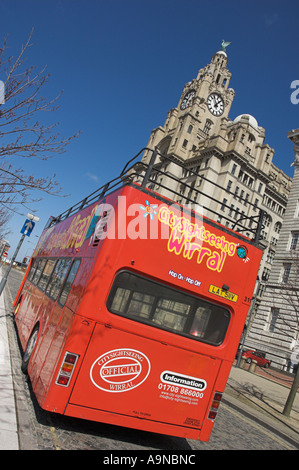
<point>92,177</point>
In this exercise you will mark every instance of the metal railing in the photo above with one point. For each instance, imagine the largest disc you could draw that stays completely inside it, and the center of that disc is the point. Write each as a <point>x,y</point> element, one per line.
<point>173,188</point>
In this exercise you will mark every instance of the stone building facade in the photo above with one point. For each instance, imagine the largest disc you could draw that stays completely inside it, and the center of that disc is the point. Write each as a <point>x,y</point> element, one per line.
<point>232,153</point>
<point>275,328</point>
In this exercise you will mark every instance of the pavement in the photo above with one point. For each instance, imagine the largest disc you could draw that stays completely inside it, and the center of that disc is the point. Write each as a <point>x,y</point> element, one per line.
<point>260,395</point>
<point>9,438</point>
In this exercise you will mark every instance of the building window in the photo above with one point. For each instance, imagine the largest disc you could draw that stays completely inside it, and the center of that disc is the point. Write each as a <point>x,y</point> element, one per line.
<point>232,136</point>
<point>223,205</point>
<point>208,126</point>
<point>266,274</point>
<point>286,269</point>
<point>190,129</point>
<point>273,317</point>
<point>185,143</point>
<point>207,162</point>
<point>270,256</point>
<point>261,290</point>
<point>267,220</point>
<point>234,169</point>
<point>229,186</point>
<point>231,210</point>
<point>236,214</point>
<point>294,240</point>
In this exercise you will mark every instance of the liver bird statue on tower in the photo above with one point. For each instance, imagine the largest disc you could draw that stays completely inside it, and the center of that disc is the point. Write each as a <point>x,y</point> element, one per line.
<point>224,45</point>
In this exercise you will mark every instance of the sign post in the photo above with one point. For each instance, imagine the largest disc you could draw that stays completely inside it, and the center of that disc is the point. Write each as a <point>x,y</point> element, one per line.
<point>26,231</point>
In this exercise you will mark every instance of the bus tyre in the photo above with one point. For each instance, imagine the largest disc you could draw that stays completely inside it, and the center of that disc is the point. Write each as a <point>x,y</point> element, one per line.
<point>29,350</point>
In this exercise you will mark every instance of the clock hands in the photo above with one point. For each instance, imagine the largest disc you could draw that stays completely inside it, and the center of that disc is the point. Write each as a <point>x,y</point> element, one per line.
<point>215,104</point>
<point>217,101</point>
<point>187,99</point>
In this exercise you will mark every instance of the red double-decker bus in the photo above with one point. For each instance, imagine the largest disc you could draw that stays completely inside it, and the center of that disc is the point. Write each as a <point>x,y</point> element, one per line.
<point>132,308</point>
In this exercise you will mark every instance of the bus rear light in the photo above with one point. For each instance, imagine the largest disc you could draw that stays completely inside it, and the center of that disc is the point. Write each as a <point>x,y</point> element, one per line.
<point>215,405</point>
<point>212,414</point>
<point>62,380</point>
<point>66,369</point>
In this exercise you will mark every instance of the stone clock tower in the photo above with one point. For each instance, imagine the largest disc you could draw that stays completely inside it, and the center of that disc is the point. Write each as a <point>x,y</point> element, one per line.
<point>225,169</point>
<point>202,109</point>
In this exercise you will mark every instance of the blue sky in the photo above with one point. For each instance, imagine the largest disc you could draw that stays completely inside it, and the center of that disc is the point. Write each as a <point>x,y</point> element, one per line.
<point>123,64</point>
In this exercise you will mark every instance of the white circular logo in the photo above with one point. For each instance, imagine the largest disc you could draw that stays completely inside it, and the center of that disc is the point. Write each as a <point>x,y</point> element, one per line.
<point>120,370</point>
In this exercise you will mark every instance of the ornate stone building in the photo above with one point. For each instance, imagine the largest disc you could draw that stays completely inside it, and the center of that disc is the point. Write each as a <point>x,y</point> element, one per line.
<point>229,152</point>
<point>275,328</point>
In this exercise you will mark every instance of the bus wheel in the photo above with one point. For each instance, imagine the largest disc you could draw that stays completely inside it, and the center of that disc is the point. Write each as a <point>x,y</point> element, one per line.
<point>29,350</point>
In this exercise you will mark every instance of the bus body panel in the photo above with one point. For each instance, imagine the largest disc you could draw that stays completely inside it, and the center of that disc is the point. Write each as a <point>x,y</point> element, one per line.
<point>129,371</point>
<point>47,353</point>
<point>54,397</point>
<point>28,312</point>
<point>145,379</point>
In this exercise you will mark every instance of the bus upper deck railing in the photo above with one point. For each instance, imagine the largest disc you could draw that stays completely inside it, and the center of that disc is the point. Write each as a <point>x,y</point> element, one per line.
<point>173,187</point>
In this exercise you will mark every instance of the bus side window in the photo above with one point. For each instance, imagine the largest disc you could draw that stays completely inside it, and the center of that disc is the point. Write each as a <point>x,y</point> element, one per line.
<point>46,274</point>
<point>58,276</point>
<point>39,266</point>
<point>69,282</point>
<point>32,270</point>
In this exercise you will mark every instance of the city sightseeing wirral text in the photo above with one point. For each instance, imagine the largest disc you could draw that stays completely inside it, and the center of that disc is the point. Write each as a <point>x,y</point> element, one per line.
<point>183,231</point>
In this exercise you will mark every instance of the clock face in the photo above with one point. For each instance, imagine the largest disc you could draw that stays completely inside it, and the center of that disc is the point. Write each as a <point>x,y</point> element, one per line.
<point>187,99</point>
<point>215,104</point>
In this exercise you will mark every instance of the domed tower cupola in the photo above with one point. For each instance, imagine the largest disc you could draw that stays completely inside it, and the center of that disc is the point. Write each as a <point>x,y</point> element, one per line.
<point>218,67</point>
<point>220,59</point>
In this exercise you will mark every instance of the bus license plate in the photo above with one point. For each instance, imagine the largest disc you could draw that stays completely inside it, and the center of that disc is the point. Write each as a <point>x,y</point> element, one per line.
<point>223,293</point>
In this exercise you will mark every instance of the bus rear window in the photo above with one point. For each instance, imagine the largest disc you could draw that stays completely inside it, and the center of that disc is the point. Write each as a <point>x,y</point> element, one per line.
<point>149,302</point>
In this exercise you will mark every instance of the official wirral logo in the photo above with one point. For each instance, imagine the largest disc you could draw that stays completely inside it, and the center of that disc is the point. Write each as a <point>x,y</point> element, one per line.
<point>120,370</point>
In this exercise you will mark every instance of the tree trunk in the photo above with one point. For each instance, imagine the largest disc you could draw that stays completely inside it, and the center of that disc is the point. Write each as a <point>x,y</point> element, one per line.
<point>290,400</point>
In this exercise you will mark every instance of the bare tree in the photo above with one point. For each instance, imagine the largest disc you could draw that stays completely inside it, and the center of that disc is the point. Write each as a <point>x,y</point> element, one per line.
<point>22,134</point>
